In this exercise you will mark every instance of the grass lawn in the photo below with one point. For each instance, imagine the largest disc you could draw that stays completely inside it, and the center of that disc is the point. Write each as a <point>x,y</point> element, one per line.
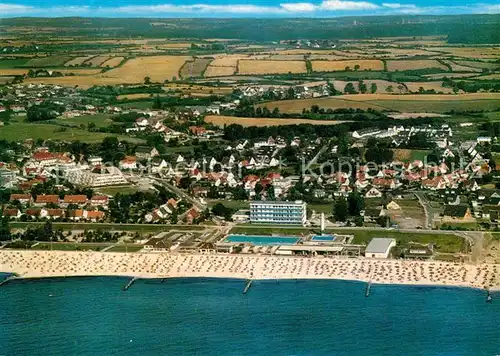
<point>103,226</point>
<point>419,154</point>
<point>125,248</point>
<point>23,131</point>
<point>127,189</point>
<point>232,204</point>
<point>321,208</point>
<point>70,246</point>
<point>100,120</point>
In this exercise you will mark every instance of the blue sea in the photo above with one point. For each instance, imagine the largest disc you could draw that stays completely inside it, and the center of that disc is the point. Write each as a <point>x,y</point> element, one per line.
<point>93,316</point>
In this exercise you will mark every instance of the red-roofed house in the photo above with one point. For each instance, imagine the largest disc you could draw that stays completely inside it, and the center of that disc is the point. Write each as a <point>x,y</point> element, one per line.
<point>22,198</point>
<point>42,200</point>
<point>52,213</point>
<point>129,162</point>
<point>75,215</point>
<point>384,183</point>
<point>192,215</point>
<point>273,176</point>
<point>197,130</point>
<point>99,200</point>
<point>93,215</point>
<point>12,213</point>
<point>75,199</point>
<point>33,212</point>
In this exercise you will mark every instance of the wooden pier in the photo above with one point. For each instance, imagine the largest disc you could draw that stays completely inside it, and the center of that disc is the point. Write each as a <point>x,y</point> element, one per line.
<point>129,284</point>
<point>7,280</point>
<point>368,289</point>
<point>248,285</point>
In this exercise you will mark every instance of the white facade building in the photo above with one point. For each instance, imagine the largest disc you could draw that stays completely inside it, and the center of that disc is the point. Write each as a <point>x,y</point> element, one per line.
<point>278,212</point>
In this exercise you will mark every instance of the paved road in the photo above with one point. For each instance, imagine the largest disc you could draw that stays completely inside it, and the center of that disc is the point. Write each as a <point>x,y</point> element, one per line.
<point>429,210</point>
<point>180,193</point>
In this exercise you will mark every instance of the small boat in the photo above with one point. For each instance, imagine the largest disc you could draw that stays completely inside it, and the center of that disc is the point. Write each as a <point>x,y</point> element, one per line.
<point>489,299</point>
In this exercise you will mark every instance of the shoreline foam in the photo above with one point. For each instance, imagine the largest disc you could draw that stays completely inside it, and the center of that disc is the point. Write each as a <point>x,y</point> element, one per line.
<point>53,264</point>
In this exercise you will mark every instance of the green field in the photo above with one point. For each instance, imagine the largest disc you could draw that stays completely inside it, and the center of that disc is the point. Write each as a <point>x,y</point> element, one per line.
<point>128,189</point>
<point>143,104</point>
<point>321,208</point>
<point>69,246</point>
<point>232,204</point>
<point>99,120</point>
<point>103,226</point>
<point>51,61</point>
<point>13,63</point>
<point>23,131</point>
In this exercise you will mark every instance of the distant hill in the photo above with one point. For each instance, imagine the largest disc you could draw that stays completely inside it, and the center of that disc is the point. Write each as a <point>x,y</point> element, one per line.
<point>472,29</point>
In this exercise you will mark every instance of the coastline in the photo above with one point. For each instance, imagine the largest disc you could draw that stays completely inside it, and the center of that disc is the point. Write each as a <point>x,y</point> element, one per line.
<point>61,264</point>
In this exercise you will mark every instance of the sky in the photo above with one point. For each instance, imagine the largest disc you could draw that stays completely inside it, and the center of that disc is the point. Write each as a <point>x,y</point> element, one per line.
<point>243,8</point>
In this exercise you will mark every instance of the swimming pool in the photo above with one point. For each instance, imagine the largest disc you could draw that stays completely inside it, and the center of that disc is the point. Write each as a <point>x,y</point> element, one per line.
<point>324,238</point>
<point>263,240</point>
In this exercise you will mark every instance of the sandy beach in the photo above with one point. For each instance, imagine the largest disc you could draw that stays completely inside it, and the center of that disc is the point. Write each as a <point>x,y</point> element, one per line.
<point>38,264</point>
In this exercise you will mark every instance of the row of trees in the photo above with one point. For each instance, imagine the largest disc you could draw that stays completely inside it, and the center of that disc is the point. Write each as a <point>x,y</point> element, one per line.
<point>349,208</point>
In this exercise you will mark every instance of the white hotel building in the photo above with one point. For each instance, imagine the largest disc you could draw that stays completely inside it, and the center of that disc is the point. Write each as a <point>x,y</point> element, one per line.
<point>278,212</point>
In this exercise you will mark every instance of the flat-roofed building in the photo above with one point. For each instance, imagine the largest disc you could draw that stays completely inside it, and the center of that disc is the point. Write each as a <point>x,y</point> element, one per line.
<point>379,247</point>
<point>278,212</point>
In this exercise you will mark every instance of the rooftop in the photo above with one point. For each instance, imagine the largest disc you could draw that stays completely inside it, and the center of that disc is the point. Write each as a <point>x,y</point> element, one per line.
<point>379,245</point>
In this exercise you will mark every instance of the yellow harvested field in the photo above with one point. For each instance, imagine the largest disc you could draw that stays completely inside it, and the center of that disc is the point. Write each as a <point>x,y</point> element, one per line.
<point>414,87</point>
<point>331,66</point>
<point>112,62</point>
<point>402,52</point>
<point>326,57</point>
<point>287,57</point>
<point>213,71</point>
<point>230,60</point>
<point>248,121</point>
<point>77,61</point>
<point>97,61</point>
<point>158,68</point>
<point>471,52</point>
<point>135,96</point>
<point>414,64</point>
<point>489,77</point>
<point>271,67</point>
<point>176,45</point>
